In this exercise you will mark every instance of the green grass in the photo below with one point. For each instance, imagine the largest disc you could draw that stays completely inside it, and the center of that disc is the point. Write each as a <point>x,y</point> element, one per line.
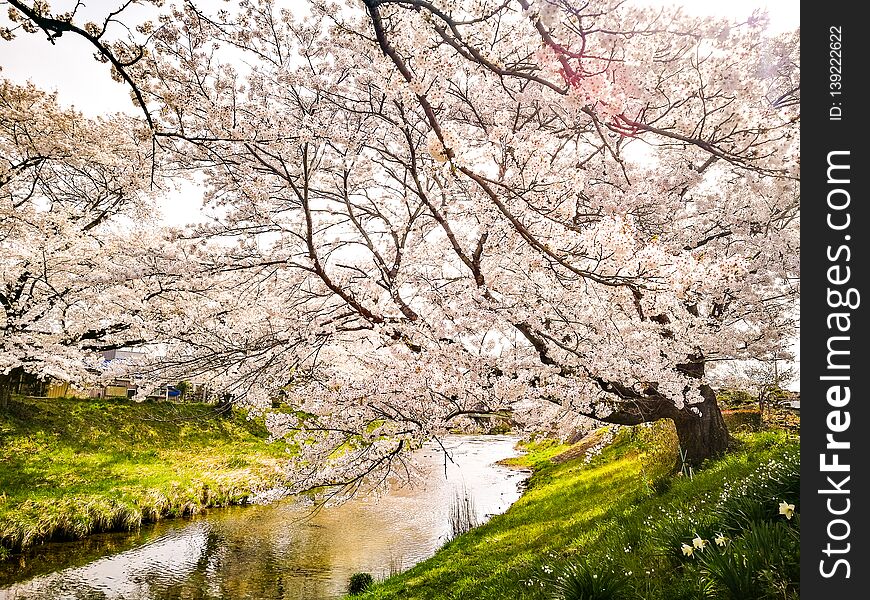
<point>537,453</point>
<point>72,467</point>
<point>608,518</point>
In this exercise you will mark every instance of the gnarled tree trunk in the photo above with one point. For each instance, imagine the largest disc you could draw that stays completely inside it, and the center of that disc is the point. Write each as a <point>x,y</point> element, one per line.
<point>702,435</point>
<point>701,430</point>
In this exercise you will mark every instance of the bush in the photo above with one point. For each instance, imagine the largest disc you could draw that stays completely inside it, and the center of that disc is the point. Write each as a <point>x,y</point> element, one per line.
<point>359,582</point>
<point>735,397</point>
<point>744,419</point>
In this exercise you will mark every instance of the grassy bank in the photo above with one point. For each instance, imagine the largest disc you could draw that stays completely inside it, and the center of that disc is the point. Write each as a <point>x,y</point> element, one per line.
<point>620,526</point>
<point>70,467</point>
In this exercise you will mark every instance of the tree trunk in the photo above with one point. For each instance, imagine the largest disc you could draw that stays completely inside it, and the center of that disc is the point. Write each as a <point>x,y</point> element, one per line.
<point>8,381</point>
<point>702,436</point>
<point>5,390</point>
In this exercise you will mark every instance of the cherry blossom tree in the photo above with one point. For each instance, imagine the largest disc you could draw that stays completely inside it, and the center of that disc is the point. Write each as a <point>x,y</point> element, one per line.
<point>764,379</point>
<point>435,209</point>
<point>120,52</point>
<point>466,207</point>
<point>71,273</point>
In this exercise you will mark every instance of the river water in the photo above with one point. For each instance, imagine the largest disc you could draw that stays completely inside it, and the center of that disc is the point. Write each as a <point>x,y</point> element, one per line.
<point>281,551</point>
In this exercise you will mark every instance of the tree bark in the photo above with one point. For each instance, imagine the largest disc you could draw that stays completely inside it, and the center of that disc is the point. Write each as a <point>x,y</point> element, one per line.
<point>4,393</point>
<point>6,389</point>
<point>703,435</point>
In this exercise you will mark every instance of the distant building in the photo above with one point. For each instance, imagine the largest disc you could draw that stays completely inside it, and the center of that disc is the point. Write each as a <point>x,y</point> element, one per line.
<point>117,388</point>
<point>119,354</point>
<point>28,384</point>
<point>791,399</point>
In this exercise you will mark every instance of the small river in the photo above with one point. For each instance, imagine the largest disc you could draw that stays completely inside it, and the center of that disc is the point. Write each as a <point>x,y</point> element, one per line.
<point>281,551</point>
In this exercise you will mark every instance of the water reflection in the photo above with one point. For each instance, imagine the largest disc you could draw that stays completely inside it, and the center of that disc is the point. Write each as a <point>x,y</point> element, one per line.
<point>277,552</point>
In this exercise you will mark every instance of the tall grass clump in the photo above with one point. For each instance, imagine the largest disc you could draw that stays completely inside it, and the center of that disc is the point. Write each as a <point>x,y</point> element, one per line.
<point>746,546</point>
<point>581,581</point>
<point>359,583</point>
<point>762,564</point>
<point>757,497</point>
<point>463,514</point>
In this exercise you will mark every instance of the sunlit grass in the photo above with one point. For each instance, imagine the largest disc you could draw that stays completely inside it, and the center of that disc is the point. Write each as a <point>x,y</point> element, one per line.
<point>69,468</point>
<point>537,453</point>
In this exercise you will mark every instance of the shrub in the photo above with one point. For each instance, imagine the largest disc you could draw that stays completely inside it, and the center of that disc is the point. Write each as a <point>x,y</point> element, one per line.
<point>735,397</point>
<point>359,582</point>
<point>744,419</point>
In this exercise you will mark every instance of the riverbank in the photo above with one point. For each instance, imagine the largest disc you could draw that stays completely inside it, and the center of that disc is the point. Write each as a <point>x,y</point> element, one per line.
<point>70,468</point>
<point>621,526</point>
<point>280,550</point>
